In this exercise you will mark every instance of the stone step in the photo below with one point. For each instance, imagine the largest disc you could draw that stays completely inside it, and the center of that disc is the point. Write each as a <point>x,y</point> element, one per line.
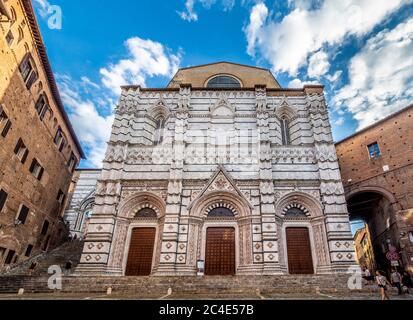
<point>186,286</point>
<point>68,251</point>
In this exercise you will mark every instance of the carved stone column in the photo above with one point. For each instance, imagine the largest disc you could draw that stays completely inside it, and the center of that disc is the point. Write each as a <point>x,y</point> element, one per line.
<point>337,223</point>
<point>99,234</point>
<point>269,227</point>
<point>174,252</point>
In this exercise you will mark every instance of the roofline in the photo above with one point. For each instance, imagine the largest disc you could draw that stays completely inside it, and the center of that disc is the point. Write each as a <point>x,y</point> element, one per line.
<point>41,50</point>
<point>234,63</point>
<point>375,124</point>
<point>127,87</point>
<point>87,169</point>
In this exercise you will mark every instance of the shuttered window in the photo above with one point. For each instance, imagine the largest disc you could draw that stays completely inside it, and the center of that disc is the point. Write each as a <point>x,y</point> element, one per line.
<point>21,151</point>
<point>3,198</point>
<point>36,169</point>
<point>24,211</point>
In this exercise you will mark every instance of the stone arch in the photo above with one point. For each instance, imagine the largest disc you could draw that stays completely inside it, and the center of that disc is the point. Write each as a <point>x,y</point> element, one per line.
<point>202,206</point>
<point>135,202</point>
<point>295,205</point>
<point>222,108</point>
<point>382,191</point>
<point>284,110</point>
<point>312,206</point>
<point>159,109</point>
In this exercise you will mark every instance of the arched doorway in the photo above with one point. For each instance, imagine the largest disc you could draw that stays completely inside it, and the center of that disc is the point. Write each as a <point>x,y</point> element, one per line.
<point>299,253</point>
<point>374,227</point>
<point>220,246</point>
<point>141,247</point>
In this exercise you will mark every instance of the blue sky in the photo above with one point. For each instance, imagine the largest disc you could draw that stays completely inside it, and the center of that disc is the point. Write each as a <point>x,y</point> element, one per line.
<point>361,50</point>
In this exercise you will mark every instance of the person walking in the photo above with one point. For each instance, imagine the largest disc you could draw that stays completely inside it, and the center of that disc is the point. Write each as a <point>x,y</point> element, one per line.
<point>396,281</point>
<point>68,267</point>
<point>369,277</point>
<point>383,283</point>
<point>407,281</point>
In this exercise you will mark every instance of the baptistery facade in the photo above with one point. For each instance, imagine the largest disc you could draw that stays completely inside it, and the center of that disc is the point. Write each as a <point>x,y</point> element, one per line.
<point>223,172</point>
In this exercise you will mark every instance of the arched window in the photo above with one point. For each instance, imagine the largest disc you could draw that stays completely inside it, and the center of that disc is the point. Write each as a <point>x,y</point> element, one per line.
<point>285,131</point>
<point>223,82</point>
<point>295,212</point>
<point>159,131</point>
<point>21,34</point>
<point>42,106</point>
<point>146,213</point>
<point>220,212</point>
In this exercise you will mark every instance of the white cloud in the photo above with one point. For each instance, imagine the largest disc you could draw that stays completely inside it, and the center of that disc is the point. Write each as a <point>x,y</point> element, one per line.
<point>287,44</point>
<point>334,77</point>
<point>298,84</point>
<point>190,14</point>
<point>318,65</point>
<point>147,59</point>
<point>258,16</point>
<point>86,81</point>
<point>92,128</point>
<point>42,7</point>
<point>380,76</point>
<point>91,106</point>
<point>339,122</point>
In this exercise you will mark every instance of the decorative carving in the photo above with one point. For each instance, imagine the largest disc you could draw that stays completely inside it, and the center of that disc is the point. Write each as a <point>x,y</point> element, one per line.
<point>293,155</point>
<point>288,209</point>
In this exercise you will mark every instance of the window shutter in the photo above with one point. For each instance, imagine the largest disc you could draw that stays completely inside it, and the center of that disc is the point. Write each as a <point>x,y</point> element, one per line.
<point>62,145</point>
<point>26,153</point>
<point>32,166</point>
<point>32,79</point>
<point>6,129</point>
<point>24,66</point>
<point>3,198</point>
<point>44,111</point>
<point>40,174</point>
<point>17,148</point>
<point>23,214</point>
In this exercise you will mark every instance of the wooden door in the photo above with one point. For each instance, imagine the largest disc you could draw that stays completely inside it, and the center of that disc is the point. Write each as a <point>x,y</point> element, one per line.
<point>300,260</point>
<point>220,252</point>
<point>141,252</point>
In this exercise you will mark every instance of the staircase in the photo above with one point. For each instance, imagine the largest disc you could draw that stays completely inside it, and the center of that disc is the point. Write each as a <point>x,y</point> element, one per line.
<point>220,287</point>
<point>59,256</point>
<point>238,287</point>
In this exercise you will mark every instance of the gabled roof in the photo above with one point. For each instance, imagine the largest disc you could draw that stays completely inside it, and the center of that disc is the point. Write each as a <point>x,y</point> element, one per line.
<point>250,76</point>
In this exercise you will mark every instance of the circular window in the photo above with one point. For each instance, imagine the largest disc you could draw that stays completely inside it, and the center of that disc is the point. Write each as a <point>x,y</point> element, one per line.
<point>223,82</point>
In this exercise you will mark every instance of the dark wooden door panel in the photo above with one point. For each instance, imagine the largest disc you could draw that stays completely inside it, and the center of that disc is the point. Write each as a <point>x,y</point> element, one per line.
<point>220,251</point>
<point>300,260</point>
<point>141,252</point>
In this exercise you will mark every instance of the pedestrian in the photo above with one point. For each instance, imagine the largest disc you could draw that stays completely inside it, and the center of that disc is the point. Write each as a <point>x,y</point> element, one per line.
<point>68,267</point>
<point>407,281</point>
<point>383,283</point>
<point>396,281</point>
<point>368,276</point>
<point>33,267</point>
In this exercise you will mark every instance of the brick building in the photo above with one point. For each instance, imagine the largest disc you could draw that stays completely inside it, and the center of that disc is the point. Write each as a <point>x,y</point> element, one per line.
<point>377,171</point>
<point>364,249</point>
<point>38,148</point>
